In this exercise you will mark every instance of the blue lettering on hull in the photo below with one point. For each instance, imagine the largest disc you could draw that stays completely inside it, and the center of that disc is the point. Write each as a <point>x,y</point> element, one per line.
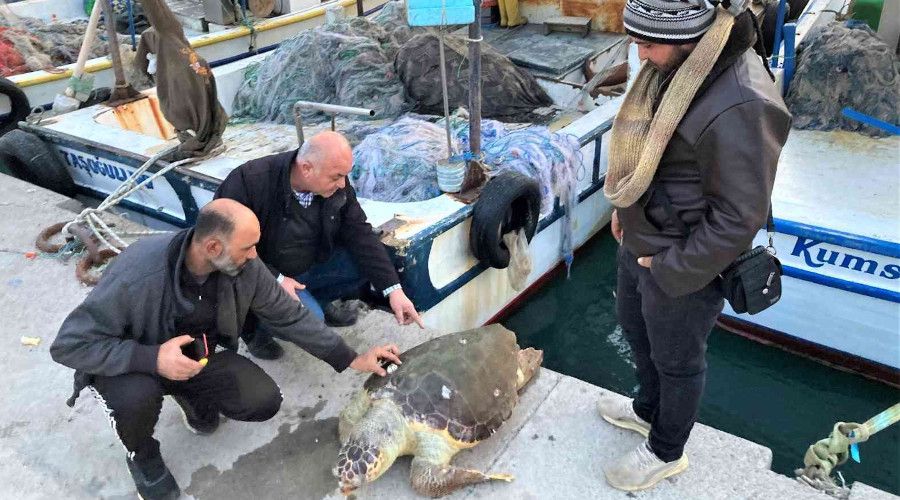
<point>818,257</point>
<point>96,166</point>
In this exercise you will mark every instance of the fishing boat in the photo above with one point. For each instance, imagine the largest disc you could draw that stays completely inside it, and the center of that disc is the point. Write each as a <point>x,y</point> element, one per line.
<point>836,211</point>
<point>218,46</point>
<point>429,240</point>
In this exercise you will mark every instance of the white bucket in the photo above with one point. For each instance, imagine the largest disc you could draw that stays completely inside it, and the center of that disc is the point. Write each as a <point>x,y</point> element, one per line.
<point>450,175</point>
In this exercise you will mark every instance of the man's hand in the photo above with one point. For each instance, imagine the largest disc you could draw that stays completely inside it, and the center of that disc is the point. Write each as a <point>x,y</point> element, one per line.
<point>291,286</point>
<point>615,227</point>
<point>645,261</point>
<point>172,364</point>
<point>370,361</point>
<point>403,308</point>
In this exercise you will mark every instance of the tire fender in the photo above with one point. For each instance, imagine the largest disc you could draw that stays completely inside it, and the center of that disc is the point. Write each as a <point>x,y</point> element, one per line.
<point>19,108</point>
<point>33,160</point>
<point>509,202</point>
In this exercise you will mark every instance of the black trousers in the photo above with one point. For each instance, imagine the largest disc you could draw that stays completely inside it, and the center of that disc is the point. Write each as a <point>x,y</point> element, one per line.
<point>668,341</point>
<point>232,384</point>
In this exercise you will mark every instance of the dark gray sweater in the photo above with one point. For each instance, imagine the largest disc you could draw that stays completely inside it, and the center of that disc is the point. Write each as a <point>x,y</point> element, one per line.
<point>120,325</point>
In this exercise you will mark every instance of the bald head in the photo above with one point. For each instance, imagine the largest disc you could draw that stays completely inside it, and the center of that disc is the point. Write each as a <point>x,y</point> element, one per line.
<point>225,237</point>
<point>323,163</point>
<point>221,217</point>
<point>325,146</point>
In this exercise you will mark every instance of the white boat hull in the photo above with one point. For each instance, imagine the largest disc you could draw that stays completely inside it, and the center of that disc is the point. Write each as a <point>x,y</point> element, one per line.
<point>840,293</point>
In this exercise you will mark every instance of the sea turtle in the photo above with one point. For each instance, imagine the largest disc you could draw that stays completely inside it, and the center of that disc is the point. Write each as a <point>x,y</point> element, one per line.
<point>449,394</point>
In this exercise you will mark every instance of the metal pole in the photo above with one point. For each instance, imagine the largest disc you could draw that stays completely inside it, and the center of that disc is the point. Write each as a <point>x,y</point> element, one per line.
<point>334,109</point>
<point>790,31</point>
<point>122,91</point>
<point>779,23</point>
<point>475,83</point>
<point>112,39</point>
<point>444,89</point>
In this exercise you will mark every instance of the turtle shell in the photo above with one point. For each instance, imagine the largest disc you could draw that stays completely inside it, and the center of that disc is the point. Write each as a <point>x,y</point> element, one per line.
<point>464,383</point>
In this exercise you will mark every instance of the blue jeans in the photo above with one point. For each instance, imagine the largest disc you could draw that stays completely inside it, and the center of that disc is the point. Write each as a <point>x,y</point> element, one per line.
<point>338,278</point>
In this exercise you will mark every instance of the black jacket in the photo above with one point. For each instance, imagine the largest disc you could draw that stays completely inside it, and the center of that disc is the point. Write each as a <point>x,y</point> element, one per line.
<point>121,324</point>
<point>717,171</point>
<point>264,186</point>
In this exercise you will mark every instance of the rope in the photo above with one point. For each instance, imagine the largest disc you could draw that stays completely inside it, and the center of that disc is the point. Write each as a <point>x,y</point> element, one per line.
<point>248,22</point>
<point>91,216</point>
<point>131,30</point>
<point>824,456</point>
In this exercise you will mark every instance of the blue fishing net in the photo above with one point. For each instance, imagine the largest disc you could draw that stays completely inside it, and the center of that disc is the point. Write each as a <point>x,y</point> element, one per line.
<point>398,162</point>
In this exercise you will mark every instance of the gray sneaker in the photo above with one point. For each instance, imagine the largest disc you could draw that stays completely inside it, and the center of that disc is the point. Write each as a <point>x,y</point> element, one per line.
<point>641,469</point>
<point>619,412</point>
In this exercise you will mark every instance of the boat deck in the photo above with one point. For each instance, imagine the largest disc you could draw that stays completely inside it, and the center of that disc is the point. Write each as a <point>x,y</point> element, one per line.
<point>842,181</point>
<point>553,55</point>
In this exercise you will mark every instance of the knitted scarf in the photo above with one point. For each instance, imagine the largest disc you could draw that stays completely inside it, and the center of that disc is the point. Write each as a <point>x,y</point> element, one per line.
<point>639,136</point>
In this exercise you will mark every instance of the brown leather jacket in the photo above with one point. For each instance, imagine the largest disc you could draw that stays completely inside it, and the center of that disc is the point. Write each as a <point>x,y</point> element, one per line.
<point>717,170</point>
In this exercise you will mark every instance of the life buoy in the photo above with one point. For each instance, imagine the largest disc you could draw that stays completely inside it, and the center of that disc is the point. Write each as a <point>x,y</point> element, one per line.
<point>18,105</point>
<point>509,202</point>
<point>33,160</point>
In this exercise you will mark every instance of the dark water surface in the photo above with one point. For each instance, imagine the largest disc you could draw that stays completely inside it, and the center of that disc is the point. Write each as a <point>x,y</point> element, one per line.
<point>761,393</point>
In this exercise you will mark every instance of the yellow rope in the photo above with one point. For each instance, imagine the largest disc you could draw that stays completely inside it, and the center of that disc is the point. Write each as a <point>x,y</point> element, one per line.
<point>825,455</point>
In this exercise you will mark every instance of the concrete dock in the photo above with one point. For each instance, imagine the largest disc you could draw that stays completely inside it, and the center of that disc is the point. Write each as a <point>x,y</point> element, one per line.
<point>555,444</point>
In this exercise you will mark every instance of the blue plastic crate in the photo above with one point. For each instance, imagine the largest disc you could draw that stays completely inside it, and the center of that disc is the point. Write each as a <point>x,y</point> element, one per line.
<point>440,12</point>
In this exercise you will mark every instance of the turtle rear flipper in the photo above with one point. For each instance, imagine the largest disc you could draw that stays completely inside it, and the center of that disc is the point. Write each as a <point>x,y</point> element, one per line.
<point>436,480</point>
<point>529,360</point>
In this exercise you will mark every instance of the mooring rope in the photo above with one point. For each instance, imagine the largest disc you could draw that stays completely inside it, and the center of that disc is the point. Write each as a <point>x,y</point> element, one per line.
<point>825,455</point>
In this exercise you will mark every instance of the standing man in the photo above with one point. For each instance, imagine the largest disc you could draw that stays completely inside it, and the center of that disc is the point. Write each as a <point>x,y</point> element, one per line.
<point>151,326</point>
<point>314,234</point>
<point>691,168</point>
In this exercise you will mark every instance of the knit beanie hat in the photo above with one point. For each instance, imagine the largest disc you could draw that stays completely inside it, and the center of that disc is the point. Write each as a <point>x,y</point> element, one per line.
<point>668,21</point>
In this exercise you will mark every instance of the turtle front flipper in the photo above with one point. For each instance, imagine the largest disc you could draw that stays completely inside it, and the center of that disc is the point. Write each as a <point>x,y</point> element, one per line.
<point>437,480</point>
<point>431,473</point>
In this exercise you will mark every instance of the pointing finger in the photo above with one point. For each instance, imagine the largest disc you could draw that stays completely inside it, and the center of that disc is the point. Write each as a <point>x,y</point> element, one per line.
<point>417,319</point>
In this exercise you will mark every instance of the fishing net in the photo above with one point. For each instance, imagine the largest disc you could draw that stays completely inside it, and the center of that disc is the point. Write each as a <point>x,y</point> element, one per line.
<point>348,62</point>
<point>29,44</point>
<point>398,162</point>
<point>508,92</point>
<point>842,66</point>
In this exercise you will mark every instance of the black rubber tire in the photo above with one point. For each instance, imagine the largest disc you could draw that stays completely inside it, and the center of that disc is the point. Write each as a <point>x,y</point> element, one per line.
<point>33,160</point>
<point>19,108</point>
<point>509,202</point>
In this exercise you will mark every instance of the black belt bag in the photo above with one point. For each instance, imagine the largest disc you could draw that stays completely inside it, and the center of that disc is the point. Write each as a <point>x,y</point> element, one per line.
<point>752,283</point>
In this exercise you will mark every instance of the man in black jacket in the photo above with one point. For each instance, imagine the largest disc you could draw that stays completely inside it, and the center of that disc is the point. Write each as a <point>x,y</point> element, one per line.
<point>692,163</point>
<point>151,326</point>
<point>314,234</point>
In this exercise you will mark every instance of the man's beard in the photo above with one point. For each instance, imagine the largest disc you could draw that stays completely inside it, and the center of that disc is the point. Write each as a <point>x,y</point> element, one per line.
<point>678,57</point>
<point>224,264</point>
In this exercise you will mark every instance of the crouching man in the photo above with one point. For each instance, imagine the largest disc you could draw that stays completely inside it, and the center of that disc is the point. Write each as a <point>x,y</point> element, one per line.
<point>151,327</point>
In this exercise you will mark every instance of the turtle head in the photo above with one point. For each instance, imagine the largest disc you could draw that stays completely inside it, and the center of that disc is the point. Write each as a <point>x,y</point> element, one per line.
<point>359,462</point>
<point>376,440</point>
